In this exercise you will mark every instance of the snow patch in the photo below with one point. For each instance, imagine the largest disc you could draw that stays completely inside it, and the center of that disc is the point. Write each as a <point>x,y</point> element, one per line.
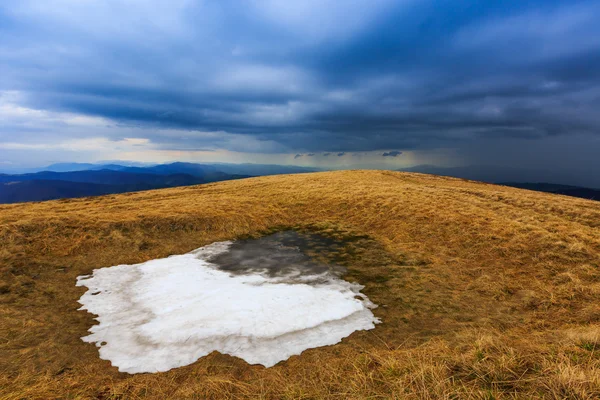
<point>169,312</point>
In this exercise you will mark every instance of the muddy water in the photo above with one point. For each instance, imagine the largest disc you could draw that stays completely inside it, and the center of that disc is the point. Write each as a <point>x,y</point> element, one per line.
<point>280,255</point>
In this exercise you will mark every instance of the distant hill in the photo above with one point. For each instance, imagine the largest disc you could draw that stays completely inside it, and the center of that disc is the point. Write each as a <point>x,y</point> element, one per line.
<point>206,172</point>
<point>106,176</point>
<point>41,190</point>
<point>48,185</point>
<point>69,167</point>
<point>196,169</point>
<point>573,191</point>
<point>263,169</point>
<point>493,174</point>
<point>67,180</point>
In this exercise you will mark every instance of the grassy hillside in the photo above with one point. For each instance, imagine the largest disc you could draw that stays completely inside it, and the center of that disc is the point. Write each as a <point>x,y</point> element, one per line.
<point>484,291</point>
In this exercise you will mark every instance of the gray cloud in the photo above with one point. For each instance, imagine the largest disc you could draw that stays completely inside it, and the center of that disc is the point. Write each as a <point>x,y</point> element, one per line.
<point>391,153</point>
<point>286,77</point>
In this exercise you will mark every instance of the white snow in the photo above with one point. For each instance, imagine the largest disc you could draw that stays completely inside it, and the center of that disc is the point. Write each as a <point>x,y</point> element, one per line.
<point>169,312</point>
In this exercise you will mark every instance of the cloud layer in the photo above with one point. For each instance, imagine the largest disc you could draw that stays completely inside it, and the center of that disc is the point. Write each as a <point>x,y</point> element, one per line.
<point>280,76</point>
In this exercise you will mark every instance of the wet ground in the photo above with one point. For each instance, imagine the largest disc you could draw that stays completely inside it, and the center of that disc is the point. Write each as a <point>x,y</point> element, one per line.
<point>284,254</point>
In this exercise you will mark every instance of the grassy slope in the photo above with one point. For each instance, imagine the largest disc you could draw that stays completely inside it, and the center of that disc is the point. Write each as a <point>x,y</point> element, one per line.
<point>485,291</point>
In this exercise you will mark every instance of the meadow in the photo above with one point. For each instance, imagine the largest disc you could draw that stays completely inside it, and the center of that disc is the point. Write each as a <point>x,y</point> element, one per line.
<point>484,291</point>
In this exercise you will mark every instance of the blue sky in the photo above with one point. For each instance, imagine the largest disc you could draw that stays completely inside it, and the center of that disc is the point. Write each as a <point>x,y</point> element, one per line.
<point>513,83</point>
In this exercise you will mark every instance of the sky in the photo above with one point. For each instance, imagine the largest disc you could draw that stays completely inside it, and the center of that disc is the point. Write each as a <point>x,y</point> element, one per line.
<point>341,84</point>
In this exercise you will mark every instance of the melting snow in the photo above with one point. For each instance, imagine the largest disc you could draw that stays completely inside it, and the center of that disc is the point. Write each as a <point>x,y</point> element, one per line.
<point>169,312</point>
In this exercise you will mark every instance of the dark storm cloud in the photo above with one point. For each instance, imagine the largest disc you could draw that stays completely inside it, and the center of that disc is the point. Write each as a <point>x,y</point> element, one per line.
<point>290,76</point>
<point>391,153</point>
<point>341,154</point>
<point>298,156</point>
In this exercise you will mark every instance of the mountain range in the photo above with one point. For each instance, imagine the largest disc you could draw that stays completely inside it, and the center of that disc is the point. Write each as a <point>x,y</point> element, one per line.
<point>494,174</point>
<point>566,190</point>
<point>67,180</point>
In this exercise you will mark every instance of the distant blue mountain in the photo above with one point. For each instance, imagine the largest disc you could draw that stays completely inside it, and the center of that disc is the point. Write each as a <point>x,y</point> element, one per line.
<point>70,167</point>
<point>263,169</point>
<point>196,169</point>
<point>210,171</point>
<point>65,180</point>
<point>566,190</point>
<point>104,176</point>
<point>41,190</point>
<point>47,185</point>
<point>493,174</point>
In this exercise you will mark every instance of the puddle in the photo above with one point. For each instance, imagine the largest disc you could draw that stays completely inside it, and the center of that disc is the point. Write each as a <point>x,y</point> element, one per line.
<point>262,300</point>
<point>283,254</point>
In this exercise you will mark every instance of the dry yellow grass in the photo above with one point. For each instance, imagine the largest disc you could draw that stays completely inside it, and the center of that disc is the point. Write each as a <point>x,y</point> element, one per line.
<point>485,291</point>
